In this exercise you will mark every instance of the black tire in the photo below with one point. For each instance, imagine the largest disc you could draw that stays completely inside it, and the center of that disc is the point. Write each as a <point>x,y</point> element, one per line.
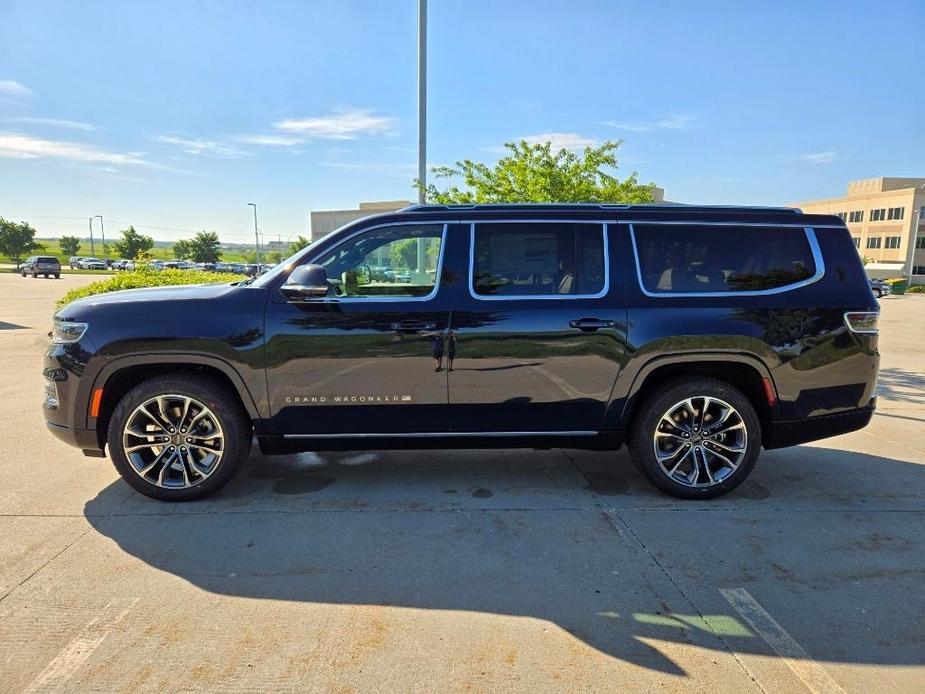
<point>223,402</point>
<point>649,416</point>
<point>57,275</point>
<point>878,293</point>
<point>34,275</point>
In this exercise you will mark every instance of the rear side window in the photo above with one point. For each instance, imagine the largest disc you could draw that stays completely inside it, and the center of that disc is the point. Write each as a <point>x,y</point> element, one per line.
<point>711,258</point>
<point>538,259</point>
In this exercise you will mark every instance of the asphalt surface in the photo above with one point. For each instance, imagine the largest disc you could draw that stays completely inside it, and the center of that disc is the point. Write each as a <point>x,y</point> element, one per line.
<point>457,571</point>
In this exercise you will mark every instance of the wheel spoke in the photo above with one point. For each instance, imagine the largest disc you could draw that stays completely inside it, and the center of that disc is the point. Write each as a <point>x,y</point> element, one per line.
<point>723,458</point>
<point>674,469</point>
<point>728,449</point>
<point>142,446</point>
<point>160,425</point>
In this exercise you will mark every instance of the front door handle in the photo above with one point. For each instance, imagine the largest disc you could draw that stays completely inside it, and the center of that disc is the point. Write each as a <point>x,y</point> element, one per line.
<point>413,326</point>
<point>589,325</point>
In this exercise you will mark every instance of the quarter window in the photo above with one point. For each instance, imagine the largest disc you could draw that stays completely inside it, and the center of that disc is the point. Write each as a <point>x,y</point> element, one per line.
<point>538,259</point>
<point>398,261</point>
<point>685,259</point>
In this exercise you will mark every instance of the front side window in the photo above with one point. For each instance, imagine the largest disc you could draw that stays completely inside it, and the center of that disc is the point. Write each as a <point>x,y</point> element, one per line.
<point>710,258</point>
<point>400,261</point>
<point>538,259</point>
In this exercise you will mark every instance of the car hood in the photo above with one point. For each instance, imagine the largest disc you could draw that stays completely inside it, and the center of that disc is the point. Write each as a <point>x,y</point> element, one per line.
<point>130,298</point>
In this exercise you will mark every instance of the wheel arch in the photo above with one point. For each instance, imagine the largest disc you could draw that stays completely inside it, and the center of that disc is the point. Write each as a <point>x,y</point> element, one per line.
<point>742,371</point>
<point>122,374</point>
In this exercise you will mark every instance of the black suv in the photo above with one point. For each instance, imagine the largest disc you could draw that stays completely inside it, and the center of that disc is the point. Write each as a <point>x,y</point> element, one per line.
<point>695,335</point>
<point>45,265</point>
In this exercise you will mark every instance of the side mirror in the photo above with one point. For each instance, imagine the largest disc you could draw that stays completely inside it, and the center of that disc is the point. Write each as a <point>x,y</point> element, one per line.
<point>306,282</point>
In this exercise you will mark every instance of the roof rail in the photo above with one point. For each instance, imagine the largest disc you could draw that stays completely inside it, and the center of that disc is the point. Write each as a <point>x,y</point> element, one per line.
<point>427,207</point>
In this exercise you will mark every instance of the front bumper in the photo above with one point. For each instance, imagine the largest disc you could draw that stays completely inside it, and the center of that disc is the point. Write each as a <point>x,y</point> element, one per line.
<point>784,433</point>
<point>84,439</point>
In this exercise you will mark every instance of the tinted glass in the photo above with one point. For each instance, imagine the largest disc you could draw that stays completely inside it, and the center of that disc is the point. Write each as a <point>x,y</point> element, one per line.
<point>539,259</point>
<point>721,258</point>
<point>395,261</point>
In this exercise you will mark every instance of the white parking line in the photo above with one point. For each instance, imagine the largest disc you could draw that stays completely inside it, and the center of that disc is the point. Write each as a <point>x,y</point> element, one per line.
<point>81,647</point>
<point>808,670</point>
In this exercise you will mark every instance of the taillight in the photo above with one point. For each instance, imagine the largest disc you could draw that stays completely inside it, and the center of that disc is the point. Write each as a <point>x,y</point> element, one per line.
<point>864,322</point>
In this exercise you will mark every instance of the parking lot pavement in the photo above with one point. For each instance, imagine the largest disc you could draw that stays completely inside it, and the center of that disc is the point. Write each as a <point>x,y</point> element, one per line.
<point>464,570</point>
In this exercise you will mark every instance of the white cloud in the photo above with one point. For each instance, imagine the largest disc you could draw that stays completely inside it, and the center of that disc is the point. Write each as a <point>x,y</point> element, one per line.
<point>339,125</point>
<point>54,122</point>
<point>206,147</point>
<point>14,90</point>
<point>559,140</point>
<point>18,146</point>
<point>826,157</point>
<point>270,140</point>
<point>676,122</point>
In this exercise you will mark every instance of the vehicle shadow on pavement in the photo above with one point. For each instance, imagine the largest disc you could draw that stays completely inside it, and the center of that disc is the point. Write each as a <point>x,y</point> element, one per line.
<point>547,535</point>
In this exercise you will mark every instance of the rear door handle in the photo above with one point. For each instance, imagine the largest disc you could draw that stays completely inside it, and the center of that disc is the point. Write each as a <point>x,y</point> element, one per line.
<point>413,326</point>
<point>589,325</point>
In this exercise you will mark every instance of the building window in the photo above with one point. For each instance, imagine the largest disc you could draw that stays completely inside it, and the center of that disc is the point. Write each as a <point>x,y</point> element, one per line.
<point>538,259</point>
<point>922,214</point>
<point>918,269</point>
<point>878,215</point>
<point>920,243</point>
<point>842,215</point>
<point>892,242</point>
<point>687,259</point>
<point>856,216</point>
<point>896,212</point>
<point>874,242</point>
<point>857,241</point>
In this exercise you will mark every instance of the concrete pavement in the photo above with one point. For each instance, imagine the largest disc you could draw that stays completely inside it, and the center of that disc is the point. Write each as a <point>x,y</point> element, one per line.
<point>465,570</point>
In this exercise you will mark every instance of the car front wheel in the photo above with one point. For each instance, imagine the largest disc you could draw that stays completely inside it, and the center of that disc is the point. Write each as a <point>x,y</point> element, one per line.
<point>696,438</point>
<point>179,437</point>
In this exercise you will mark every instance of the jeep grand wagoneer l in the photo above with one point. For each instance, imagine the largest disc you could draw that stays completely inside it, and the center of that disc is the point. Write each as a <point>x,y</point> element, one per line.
<point>695,335</point>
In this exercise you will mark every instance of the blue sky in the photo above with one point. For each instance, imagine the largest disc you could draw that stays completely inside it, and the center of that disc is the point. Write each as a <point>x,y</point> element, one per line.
<point>174,115</point>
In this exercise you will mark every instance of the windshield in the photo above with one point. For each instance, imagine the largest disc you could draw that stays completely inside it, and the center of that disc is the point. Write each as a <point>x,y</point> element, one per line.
<point>286,265</point>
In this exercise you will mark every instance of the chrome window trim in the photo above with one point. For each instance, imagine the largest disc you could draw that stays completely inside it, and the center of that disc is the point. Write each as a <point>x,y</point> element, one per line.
<point>605,230</point>
<point>440,434</point>
<point>381,299</point>
<point>810,237</point>
<point>730,224</point>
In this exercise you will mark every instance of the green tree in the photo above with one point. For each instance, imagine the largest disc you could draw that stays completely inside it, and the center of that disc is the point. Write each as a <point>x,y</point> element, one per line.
<point>70,245</point>
<point>534,173</point>
<point>183,250</point>
<point>132,243</point>
<point>297,245</point>
<point>404,254</point>
<point>17,239</point>
<point>205,247</point>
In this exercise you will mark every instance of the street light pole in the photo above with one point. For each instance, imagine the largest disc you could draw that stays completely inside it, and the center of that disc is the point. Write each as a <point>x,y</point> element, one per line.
<point>103,233</point>
<point>256,237</point>
<point>92,252</point>
<point>422,100</point>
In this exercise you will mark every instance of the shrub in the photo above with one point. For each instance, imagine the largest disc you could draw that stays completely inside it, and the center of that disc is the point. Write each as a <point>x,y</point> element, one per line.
<point>917,289</point>
<point>146,277</point>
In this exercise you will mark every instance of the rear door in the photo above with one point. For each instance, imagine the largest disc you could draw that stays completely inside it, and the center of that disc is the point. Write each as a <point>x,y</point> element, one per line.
<point>538,336</point>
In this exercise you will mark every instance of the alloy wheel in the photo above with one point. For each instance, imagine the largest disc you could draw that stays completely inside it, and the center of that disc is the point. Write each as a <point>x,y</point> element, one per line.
<point>700,441</point>
<point>173,441</point>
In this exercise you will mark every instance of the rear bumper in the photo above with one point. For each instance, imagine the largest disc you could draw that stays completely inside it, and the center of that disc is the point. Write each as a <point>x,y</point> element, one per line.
<point>784,433</point>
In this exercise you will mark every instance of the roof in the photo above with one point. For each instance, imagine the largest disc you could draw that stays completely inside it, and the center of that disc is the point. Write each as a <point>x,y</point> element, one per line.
<point>585,206</point>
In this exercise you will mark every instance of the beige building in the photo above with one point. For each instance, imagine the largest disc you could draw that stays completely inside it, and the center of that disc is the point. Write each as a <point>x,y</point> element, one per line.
<point>325,221</point>
<point>886,218</point>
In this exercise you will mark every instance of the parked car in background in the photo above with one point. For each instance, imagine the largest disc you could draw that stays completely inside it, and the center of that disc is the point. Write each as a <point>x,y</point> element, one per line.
<point>696,335</point>
<point>207,267</point>
<point>129,265</point>
<point>45,265</point>
<point>120,264</point>
<point>880,288</point>
<point>91,264</point>
<point>74,261</point>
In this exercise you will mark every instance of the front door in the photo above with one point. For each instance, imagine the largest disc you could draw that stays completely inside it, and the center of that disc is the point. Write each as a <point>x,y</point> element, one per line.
<point>538,337</point>
<point>361,361</point>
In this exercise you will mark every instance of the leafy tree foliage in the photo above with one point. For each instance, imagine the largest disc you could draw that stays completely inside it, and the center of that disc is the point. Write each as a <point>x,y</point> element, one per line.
<point>70,245</point>
<point>206,247</point>
<point>132,244</point>
<point>182,250</point>
<point>17,239</point>
<point>297,245</point>
<point>534,173</point>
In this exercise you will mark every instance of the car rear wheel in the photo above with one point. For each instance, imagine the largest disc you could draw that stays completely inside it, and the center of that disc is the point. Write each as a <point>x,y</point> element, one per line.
<point>179,437</point>
<point>696,438</point>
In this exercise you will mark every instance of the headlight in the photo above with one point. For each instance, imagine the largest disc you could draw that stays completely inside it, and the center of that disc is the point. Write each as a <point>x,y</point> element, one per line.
<point>64,331</point>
